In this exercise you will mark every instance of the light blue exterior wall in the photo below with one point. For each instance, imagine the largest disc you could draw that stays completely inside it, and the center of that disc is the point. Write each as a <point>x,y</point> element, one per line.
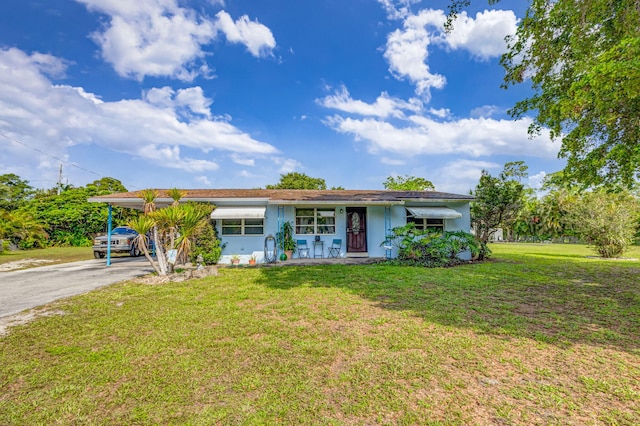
<point>245,246</point>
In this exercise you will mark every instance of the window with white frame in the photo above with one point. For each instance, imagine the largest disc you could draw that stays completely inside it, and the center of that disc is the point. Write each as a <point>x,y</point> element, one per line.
<point>242,226</point>
<point>425,223</point>
<point>315,221</point>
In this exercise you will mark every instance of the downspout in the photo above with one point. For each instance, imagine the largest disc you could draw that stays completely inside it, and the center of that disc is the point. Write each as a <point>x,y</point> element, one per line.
<point>280,229</point>
<point>109,236</point>
<point>387,233</point>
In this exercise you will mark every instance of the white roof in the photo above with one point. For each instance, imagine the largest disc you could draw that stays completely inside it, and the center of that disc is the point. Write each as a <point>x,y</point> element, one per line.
<point>434,213</point>
<point>238,213</point>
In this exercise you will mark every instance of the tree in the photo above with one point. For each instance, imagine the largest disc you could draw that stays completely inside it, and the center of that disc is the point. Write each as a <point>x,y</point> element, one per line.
<point>22,229</point>
<point>106,186</point>
<point>408,183</point>
<point>606,220</point>
<point>173,228</point>
<point>295,180</point>
<point>14,192</point>
<point>498,200</point>
<point>583,60</point>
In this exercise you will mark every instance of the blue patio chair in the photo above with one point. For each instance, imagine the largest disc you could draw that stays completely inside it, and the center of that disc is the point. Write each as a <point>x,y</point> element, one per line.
<point>334,250</point>
<point>303,249</point>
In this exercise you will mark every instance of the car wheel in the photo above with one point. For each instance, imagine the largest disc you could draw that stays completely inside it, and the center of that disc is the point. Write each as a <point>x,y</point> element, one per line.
<point>98,254</point>
<point>134,252</point>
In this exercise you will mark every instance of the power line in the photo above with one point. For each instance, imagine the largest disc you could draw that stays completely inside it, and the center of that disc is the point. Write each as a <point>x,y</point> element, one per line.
<point>58,158</point>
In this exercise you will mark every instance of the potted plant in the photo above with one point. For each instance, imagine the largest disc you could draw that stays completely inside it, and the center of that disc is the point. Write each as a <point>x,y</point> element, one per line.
<point>286,243</point>
<point>252,259</point>
<point>235,259</point>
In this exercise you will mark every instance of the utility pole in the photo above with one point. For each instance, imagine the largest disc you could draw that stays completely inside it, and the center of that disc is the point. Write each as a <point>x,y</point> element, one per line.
<point>60,180</point>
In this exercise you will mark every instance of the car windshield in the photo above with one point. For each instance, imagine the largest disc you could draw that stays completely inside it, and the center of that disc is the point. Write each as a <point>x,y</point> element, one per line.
<point>123,231</point>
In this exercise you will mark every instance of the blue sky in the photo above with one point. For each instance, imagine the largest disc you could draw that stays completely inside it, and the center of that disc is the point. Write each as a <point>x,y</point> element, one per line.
<point>231,94</point>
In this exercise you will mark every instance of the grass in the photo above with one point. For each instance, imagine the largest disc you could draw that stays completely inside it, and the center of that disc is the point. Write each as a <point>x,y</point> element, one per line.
<point>52,255</point>
<point>540,335</point>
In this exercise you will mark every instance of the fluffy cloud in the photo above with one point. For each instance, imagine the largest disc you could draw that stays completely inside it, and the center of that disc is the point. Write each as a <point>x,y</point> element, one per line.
<point>160,38</point>
<point>152,38</point>
<point>166,127</point>
<point>383,107</point>
<point>484,36</point>
<point>256,37</point>
<point>425,136</point>
<point>407,49</point>
<point>243,160</point>
<point>460,175</point>
<point>203,180</point>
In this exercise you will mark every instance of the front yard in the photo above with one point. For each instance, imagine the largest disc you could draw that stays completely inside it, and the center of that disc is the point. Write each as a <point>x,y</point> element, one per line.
<point>540,335</point>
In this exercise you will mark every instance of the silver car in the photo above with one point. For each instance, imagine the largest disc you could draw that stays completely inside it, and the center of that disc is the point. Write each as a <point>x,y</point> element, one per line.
<point>123,240</point>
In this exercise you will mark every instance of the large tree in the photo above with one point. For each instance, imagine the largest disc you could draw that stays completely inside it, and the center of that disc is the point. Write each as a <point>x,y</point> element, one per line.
<point>408,183</point>
<point>582,59</point>
<point>498,200</point>
<point>14,192</point>
<point>295,180</point>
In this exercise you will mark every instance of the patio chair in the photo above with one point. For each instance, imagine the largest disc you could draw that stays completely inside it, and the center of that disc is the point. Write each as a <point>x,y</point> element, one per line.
<point>334,250</point>
<point>303,249</point>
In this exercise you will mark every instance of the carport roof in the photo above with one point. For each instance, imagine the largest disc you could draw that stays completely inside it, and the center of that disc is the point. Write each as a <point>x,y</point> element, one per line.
<point>284,196</point>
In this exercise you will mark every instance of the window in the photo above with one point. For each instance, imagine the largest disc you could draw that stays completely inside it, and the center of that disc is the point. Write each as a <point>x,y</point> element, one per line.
<point>428,224</point>
<point>315,221</point>
<point>242,226</point>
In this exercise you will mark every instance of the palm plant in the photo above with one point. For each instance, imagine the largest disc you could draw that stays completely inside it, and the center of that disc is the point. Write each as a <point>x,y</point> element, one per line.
<point>142,225</point>
<point>148,197</point>
<point>194,218</point>
<point>176,194</point>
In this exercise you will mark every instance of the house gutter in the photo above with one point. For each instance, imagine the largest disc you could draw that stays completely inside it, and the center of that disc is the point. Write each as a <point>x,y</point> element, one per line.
<point>335,203</point>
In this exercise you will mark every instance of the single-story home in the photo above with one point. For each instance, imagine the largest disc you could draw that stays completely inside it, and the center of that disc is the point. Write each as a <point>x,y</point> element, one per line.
<point>359,220</point>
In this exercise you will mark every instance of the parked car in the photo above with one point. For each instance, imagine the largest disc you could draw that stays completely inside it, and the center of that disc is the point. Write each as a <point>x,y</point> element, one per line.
<point>123,240</point>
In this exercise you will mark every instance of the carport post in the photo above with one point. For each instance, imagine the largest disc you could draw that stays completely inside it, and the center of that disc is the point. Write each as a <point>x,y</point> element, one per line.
<point>109,236</point>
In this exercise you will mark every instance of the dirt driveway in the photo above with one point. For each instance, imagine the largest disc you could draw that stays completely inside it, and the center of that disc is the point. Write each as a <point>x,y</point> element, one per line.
<point>28,288</point>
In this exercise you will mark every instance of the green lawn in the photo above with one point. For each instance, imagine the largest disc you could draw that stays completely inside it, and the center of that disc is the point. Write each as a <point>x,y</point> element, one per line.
<point>540,335</point>
<point>50,255</point>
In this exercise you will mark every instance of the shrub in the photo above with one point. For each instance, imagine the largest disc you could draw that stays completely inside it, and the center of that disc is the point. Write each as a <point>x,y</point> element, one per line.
<point>607,221</point>
<point>207,245</point>
<point>418,247</point>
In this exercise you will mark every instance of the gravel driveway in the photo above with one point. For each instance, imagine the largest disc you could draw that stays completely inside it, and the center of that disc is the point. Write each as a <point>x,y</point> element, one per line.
<point>28,288</point>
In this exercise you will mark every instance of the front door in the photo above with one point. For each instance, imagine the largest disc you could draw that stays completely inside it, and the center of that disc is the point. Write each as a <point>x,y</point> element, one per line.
<point>356,229</point>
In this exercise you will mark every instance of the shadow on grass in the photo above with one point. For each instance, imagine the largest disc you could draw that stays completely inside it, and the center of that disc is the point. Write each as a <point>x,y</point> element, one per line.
<point>556,301</point>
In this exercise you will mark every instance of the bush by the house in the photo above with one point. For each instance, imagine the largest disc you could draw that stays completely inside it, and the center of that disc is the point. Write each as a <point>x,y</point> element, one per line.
<point>434,249</point>
<point>207,245</point>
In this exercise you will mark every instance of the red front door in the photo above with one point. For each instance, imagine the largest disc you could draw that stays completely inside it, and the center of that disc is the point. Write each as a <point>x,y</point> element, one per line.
<point>356,229</point>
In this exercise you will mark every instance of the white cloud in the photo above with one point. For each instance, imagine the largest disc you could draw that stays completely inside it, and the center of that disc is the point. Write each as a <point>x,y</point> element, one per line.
<point>392,161</point>
<point>187,102</point>
<point>407,52</point>
<point>484,36</point>
<point>54,118</point>
<point>203,180</point>
<point>460,176</point>
<point>536,181</point>
<point>287,165</point>
<point>384,106</point>
<point>407,49</point>
<point>397,9</point>
<point>242,160</point>
<point>440,113</point>
<point>153,38</point>
<point>486,111</point>
<point>425,136</point>
<point>255,36</point>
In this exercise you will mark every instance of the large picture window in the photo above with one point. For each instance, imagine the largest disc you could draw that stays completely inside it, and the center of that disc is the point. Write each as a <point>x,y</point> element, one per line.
<point>314,221</point>
<point>242,226</point>
<point>428,224</point>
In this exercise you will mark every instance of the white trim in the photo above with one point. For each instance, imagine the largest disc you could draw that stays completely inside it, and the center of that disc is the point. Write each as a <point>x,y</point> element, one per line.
<point>238,212</point>
<point>434,213</point>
